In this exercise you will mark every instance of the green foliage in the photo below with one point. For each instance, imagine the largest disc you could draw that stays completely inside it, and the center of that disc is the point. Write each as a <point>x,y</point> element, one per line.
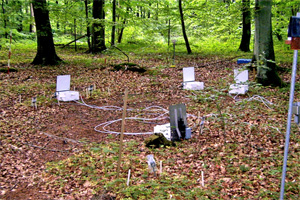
<point>212,27</point>
<point>90,164</point>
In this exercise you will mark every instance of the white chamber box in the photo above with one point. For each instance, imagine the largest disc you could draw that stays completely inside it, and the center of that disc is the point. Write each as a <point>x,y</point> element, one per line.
<point>189,82</point>
<point>68,96</point>
<point>63,92</point>
<point>195,85</point>
<point>240,78</point>
<point>165,129</point>
<point>238,89</point>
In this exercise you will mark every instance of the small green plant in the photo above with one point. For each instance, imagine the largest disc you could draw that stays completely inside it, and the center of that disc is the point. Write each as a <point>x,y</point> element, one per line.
<point>244,168</point>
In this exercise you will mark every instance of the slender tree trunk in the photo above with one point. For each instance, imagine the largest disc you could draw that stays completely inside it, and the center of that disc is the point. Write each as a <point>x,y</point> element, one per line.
<point>57,23</point>
<point>149,11</point>
<point>246,36</point>
<point>121,32</point>
<point>113,29</point>
<point>263,47</point>
<point>98,28</point>
<point>187,44</point>
<point>123,27</point>
<point>86,2</point>
<point>31,26</point>
<point>157,5</point>
<point>169,32</point>
<point>46,54</point>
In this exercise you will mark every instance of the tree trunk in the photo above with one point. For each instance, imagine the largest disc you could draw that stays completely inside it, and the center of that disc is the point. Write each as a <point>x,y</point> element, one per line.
<point>87,22</point>
<point>149,11</point>
<point>246,36</point>
<point>57,23</point>
<point>263,46</point>
<point>187,44</point>
<point>157,6</point>
<point>98,28</point>
<point>46,54</point>
<point>32,28</point>
<point>121,32</point>
<point>113,29</point>
<point>123,27</point>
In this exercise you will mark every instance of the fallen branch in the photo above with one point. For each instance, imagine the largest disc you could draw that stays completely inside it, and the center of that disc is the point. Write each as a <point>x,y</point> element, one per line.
<point>42,148</point>
<point>14,186</point>
<point>121,51</point>
<point>73,41</point>
<point>60,138</point>
<point>218,61</point>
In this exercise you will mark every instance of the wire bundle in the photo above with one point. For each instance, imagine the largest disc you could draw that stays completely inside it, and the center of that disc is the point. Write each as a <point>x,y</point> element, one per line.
<point>160,113</point>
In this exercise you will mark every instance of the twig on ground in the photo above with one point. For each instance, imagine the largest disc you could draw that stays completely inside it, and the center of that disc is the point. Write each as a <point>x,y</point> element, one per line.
<point>61,138</point>
<point>42,148</point>
<point>14,186</point>
<point>121,51</point>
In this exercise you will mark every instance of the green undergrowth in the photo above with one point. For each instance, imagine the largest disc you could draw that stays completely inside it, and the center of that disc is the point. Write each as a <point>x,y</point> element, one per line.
<point>24,50</point>
<point>97,166</point>
<point>239,148</point>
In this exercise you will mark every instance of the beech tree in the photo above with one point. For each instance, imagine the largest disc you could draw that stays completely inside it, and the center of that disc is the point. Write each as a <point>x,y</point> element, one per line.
<point>246,34</point>
<point>113,29</point>
<point>46,54</point>
<point>98,28</point>
<point>264,55</point>
<point>187,44</point>
<point>88,33</point>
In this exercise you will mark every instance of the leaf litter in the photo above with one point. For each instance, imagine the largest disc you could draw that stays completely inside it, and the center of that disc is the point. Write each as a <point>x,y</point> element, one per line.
<point>53,152</point>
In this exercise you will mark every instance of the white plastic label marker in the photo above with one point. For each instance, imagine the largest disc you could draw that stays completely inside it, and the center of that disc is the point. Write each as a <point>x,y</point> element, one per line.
<point>34,102</point>
<point>128,177</point>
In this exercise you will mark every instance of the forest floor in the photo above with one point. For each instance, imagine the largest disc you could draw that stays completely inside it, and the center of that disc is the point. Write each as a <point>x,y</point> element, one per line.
<point>53,151</point>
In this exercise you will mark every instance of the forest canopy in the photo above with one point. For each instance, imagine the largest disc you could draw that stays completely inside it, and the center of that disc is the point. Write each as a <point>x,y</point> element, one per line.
<point>147,21</point>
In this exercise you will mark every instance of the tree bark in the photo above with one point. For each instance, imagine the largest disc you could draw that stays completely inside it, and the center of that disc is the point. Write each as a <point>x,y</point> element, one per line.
<point>121,31</point>
<point>187,44</point>
<point>32,28</point>
<point>98,28</point>
<point>120,36</point>
<point>113,29</point>
<point>57,23</point>
<point>46,54</point>
<point>87,22</point>
<point>246,36</point>
<point>263,47</point>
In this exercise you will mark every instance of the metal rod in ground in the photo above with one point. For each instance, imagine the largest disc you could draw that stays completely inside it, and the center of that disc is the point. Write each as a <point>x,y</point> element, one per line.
<point>122,132</point>
<point>288,127</point>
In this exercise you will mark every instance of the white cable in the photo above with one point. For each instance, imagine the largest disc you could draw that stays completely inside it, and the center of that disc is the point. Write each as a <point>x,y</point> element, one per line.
<point>262,99</point>
<point>151,110</point>
<point>257,98</point>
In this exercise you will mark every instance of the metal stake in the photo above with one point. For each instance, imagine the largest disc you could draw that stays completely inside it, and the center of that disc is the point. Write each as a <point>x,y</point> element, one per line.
<point>288,128</point>
<point>122,132</point>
